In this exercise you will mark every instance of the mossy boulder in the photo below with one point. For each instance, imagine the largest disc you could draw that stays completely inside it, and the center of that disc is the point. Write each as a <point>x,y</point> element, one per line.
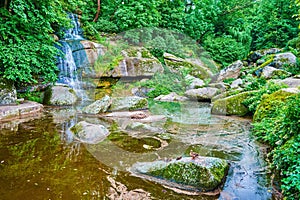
<point>231,105</point>
<point>130,103</point>
<point>202,94</point>
<point>271,102</point>
<point>272,72</point>
<point>60,95</point>
<point>232,71</point>
<point>89,133</point>
<point>200,174</point>
<point>99,106</point>
<point>8,94</point>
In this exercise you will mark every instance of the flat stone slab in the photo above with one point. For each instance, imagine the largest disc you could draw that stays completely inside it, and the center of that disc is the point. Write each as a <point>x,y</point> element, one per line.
<point>17,111</point>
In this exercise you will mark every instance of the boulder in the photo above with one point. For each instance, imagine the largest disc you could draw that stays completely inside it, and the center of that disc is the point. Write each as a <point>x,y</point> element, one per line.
<point>282,59</point>
<point>232,105</point>
<point>141,91</point>
<point>194,82</point>
<point>130,103</point>
<point>171,97</point>
<point>272,72</point>
<point>198,174</point>
<point>89,133</point>
<point>254,56</point>
<point>232,71</point>
<point>99,106</point>
<point>197,67</point>
<point>8,93</point>
<point>290,82</point>
<point>202,94</point>
<point>270,102</point>
<point>60,95</point>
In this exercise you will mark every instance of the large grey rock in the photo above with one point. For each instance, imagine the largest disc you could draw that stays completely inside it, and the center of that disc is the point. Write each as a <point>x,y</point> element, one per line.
<point>60,96</point>
<point>236,83</point>
<point>254,56</point>
<point>290,82</point>
<point>194,82</point>
<point>287,58</point>
<point>197,67</point>
<point>232,71</point>
<point>89,133</point>
<point>99,106</point>
<point>130,103</point>
<point>8,94</point>
<point>202,94</point>
<point>199,174</point>
<point>272,72</point>
<point>171,97</point>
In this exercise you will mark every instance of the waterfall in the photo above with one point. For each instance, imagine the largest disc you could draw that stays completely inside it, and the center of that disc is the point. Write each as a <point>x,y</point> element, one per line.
<point>67,64</point>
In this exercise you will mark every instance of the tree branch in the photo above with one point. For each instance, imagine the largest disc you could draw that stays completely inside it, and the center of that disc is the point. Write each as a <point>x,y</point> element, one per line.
<point>98,11</point>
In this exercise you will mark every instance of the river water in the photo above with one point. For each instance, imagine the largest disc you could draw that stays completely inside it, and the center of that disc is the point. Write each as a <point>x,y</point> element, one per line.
<point>40,158</point>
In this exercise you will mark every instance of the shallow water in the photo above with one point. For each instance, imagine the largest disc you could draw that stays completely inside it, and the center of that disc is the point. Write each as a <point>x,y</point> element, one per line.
<point>40,158</point>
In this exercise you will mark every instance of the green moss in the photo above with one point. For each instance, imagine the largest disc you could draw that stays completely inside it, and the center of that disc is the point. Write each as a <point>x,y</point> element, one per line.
<point>270,103</point>
<point>47,96</point>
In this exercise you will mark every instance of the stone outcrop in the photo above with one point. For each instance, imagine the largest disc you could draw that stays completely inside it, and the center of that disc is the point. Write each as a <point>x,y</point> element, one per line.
<point>89,133</point>
<point>198,174</point>
<point>202,94</point>
<point>60,95</point>
<point>8,94</point>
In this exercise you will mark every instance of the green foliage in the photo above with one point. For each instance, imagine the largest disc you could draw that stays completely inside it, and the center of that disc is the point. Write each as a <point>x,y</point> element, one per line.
<point>281,131</point>
<point>255,98</point>
<point>32,96</point>
<point>27,52</point>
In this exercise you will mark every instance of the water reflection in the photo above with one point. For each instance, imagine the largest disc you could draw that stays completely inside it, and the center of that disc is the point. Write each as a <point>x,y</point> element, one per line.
<point>39,158</point>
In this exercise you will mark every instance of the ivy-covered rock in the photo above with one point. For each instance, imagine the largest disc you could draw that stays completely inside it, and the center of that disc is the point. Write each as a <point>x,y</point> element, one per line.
<point>60,95</point>
<point>99,106</point>
<point>130,103</point>
<point>89,133</point>
<point>231,105</point>
<point>200,174</point>
<point>270,102</point>
<point>8,94</point>
<point>202,94</point>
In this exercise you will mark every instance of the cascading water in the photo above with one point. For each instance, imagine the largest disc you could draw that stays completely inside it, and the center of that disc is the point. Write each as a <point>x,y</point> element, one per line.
<point>67,65</point>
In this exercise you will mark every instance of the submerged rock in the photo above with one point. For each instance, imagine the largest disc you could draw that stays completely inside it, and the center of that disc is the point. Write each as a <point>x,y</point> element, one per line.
<point>202,94</point>
<point>232,105</point>
<point>99,106</point>
<point>130,103</point>
<point>89,133</point>
<point>8,94</point>
<point>171,97</point>
<point>60,95</point>
<point>199,174</point>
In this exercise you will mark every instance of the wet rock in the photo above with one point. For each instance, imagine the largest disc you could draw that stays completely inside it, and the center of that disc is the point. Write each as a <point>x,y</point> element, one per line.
<point>8,94</point>
<point>194,82</point>
<point>171,97</point>
<point>89,133</point>
<point>232,105</point>
<point>202,94</point>
<point>282,59</point>
<point>99,106</point>
<point>272,72</point>
<point>130,103</point>
<point>232,71</point>
<point>200,174</point>
<point>60,95</point>
<point>18,111</point>
<point>236,83</point>
<point>269,102</point>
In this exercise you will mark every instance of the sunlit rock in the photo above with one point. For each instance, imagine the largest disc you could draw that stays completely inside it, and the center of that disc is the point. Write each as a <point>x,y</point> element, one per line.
<point>60,95</point>
<point>130,103</point>
<point>202,94</point>
<point>171,97</point>
<point>99,106</point>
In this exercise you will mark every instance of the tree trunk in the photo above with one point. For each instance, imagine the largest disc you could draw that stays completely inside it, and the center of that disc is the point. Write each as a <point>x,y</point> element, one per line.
<point>5,4</point>
<point>98,11</point>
